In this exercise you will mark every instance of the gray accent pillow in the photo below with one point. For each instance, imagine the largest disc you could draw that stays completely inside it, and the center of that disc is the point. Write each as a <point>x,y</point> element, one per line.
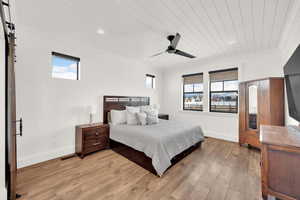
<point>152,114</point>
<point>152,117</point>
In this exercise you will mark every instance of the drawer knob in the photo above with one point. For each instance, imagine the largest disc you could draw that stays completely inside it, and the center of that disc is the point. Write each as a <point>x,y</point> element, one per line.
<point>95,144</point>
<point>97,133</point>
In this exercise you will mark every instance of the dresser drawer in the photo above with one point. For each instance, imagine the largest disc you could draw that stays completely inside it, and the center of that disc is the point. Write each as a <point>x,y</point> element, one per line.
<point>95,147</point>
<point>95,133</point>
<point>102,139</point>
<point>95,144</point>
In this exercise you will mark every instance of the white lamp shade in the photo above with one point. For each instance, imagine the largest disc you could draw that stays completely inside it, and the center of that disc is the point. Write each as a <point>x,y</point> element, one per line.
<point>156,106</point>
<point>92,109</point>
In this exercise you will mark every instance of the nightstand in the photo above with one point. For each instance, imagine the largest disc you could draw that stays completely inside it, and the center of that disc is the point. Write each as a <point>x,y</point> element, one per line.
<point>163,116</point>
<point>91,138</point>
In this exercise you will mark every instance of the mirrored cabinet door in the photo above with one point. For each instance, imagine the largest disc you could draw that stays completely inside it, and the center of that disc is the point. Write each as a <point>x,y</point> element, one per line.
<point>261,102</point>
<point>252,107</point>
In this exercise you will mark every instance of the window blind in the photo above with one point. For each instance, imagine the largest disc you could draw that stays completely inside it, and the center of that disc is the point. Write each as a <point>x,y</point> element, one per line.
<point>193,78</point>
<point>224,75</point>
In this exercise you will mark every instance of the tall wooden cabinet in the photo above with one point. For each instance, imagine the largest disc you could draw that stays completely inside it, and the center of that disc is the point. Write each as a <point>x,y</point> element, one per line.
<point>261,102</point>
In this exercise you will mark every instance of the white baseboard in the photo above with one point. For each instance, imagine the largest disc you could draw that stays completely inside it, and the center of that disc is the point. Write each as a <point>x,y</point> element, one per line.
<point>45,156</point>
<point>3,194</point>
<point>222,136</point>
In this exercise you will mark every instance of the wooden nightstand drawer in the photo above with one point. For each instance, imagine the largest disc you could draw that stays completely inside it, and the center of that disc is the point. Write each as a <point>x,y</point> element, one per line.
<point>94,147</point>
<point>95,133</point>
<point>91,138</point>
<point>97,140</point>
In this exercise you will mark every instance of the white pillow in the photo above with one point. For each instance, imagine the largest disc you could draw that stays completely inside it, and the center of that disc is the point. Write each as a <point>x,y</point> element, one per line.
<point>131,113</point>
<point>142,117</point>
<point>156,106</point>
<point>132,118</point>
<point>118,117</point>
<point>152,116</point>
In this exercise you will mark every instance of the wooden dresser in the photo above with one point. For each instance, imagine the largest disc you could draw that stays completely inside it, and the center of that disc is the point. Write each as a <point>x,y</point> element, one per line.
<point>280,162</point>
<point>261,102</point>
<point>91,138</point>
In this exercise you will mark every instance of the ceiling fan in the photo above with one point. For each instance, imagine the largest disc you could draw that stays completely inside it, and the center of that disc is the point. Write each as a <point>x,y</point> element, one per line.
<point>174,39</point>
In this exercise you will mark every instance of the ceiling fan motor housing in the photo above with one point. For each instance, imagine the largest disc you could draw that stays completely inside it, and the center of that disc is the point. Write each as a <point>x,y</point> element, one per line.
<point>171,37</point>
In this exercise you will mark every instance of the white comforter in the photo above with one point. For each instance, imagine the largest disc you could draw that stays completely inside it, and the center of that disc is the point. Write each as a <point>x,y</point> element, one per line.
<point>161,141</point>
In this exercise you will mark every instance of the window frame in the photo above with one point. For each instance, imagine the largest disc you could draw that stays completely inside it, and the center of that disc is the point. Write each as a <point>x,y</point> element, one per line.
<point>77,59</point>
<point>223,91</point>
<point>152,81</point>
<point>183,92</point>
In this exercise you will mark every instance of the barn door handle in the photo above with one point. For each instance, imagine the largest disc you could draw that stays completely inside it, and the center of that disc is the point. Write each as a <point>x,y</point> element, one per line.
<point>20,121</point>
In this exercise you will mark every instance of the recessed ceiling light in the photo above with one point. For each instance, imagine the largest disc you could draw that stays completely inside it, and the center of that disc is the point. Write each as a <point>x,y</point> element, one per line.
<point>100,31</point>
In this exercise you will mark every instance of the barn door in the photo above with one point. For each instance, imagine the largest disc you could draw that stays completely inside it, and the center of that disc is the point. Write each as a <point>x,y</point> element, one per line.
<point>10,101</point>
<point>11,119</point>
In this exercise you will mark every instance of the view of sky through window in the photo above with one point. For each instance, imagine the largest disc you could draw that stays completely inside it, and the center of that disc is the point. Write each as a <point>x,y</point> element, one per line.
<point>64,67</point>
<point>150,81</point>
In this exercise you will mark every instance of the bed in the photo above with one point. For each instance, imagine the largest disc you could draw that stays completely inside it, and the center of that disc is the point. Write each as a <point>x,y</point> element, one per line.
<point>153,147</point>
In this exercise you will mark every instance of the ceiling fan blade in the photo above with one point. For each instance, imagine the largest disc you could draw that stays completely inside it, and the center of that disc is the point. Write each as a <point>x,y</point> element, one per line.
<point>182,53</point>
<point>175,41</point>
<point>157,54</point>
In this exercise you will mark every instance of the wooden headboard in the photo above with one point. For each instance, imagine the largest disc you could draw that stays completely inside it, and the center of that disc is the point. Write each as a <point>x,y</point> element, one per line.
<point>120,103</point>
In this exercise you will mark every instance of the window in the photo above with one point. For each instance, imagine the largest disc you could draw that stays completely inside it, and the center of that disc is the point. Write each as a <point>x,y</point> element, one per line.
<point>65,67</point>
<point>224,90</point>
<point>150,81</point>
<point>193,92</point>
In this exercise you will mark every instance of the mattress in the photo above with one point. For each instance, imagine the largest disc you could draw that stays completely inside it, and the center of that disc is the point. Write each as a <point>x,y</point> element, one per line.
<point>161,142</point>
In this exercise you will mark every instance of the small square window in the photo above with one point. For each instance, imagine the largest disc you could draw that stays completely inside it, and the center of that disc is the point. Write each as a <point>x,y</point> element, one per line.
<point>65,67</point>
<point>150,81</point>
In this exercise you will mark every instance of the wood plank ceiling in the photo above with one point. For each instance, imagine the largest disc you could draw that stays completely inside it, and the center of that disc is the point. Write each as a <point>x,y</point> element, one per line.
<point>214,27</point>
<point>137,28</point>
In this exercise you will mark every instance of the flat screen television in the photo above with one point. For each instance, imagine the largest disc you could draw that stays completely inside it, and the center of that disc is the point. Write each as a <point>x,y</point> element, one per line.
<point>292,80</point>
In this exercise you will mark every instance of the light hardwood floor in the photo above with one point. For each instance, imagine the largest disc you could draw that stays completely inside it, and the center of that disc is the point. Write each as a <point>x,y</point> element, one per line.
<point>218,171</point>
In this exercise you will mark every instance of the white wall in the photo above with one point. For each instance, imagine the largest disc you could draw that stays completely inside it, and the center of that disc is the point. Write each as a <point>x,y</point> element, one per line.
<point>220,125</point>
<point>2,116</point>
<point>289,42</point>
<point>52,107</point>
